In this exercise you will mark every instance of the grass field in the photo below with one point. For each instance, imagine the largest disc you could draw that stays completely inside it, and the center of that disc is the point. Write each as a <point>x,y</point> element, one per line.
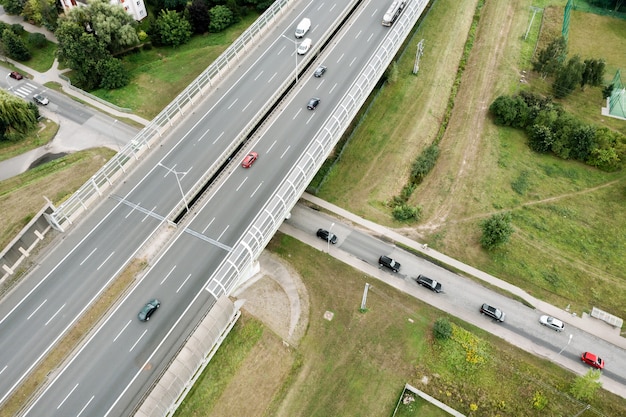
<point>357,364</point>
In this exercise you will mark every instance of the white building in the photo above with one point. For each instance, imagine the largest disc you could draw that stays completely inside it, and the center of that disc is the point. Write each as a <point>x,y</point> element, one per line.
<point>135,8</point>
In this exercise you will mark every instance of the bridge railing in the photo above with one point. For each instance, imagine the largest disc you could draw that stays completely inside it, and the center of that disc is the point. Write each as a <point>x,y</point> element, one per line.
<point>269,219</point>
<point>121,163</point>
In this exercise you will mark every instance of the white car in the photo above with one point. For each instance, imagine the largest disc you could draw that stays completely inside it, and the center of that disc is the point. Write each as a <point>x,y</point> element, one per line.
<point>551,322</point>
<point>303,27</point>
<point>304,46</point>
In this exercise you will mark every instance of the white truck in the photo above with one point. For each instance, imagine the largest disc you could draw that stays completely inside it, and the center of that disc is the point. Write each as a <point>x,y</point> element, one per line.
<point>393,12</point>
<point>303,27</point>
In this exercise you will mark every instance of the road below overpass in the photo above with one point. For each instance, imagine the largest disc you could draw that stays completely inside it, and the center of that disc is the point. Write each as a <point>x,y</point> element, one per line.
<point>122,357</point>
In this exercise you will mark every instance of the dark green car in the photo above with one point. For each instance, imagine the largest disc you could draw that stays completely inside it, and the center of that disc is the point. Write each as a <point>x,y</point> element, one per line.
<point>149,309</point>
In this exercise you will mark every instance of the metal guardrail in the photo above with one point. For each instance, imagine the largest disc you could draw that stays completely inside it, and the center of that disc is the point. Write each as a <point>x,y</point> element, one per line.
<point>118,166</point>
<point>269,219</point>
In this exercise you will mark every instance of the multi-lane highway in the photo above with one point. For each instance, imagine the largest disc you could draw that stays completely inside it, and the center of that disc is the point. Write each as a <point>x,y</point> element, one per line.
<point>122,355</point>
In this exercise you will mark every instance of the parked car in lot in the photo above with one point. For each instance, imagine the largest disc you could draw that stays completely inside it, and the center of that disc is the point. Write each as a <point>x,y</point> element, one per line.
<point>319,71</point>
<point>389,263</point>
<point>327,236</point>
<point>551,322</point>
<point>493,312</point>
<point>149,309</point>
<point>592,359</point>
<point>304,46</point>
<point>39,99</point>
<point>429,283</point>
<point>249,159</point>
<point>16,75</point>
<point>312,104</point>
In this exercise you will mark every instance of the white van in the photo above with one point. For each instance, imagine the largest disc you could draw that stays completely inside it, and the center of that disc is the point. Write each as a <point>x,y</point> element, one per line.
<point>303,27</point>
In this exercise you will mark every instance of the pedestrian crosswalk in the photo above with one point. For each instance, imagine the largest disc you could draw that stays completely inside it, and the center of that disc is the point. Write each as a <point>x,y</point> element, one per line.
<point>25,89</point>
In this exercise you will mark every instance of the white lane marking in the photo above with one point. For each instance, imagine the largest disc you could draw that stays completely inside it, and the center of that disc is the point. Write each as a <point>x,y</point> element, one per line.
<point>375,13</point>
<point>105,261</point>
<point>121,331</point>
<point>184,282</point>
<point>257,77</point>
<point>54,315</point>
<point>256,189</point>
<point>352,62</point>
<point>67,396</point>
<point>5,367</point>
<point>357,35</point>
<point>331,9</point>
<point>168,274</point>
<point>140,337</point>
<point>281,50</point>
<point>222,234</point>
<point>169,170</point>
<point>331,90</point>
<point>340,58</point>
<point>242,183</point>
<point>208,225</point>
<point>133,210</point>
<point>296,115</point>
<point>370,37</point>
<point>83,409</point>
<point>148,214</point>
<point>320,84</point>
<point>84,260</point>
<point>270,148</point>
<point>242,110</point>
<point>310,118</point>
<point>233,103</point>
<point>272,77</point>
<point>37,309</point>
<point>203,135</point>
<point>285,153</point>
<point>218,138</point>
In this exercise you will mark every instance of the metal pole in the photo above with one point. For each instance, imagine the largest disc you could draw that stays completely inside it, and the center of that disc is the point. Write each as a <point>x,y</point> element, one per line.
<point>295,44</point>
<point>329,235</point>
<point>364,299</point>
<point>176,173</point>
<point>568,342</point>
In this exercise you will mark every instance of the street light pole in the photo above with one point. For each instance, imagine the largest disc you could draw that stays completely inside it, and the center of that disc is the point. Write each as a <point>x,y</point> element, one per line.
<point>329,235</point>
<point>564,347</point>
<point>295,53</point>
<point>176,173</point>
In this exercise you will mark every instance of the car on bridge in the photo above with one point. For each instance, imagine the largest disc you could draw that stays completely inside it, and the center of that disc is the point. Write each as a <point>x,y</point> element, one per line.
<point>149,309</point>
<point>304,46</point>
<point>319,71</point>
<point>303,27</point>
<point>249,159</point>
<point>312,104</point>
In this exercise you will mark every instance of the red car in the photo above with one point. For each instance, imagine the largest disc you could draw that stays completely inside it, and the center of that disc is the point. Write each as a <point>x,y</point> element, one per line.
<point>249,159</point>
<point>592,360</point>
<point>16,75</point>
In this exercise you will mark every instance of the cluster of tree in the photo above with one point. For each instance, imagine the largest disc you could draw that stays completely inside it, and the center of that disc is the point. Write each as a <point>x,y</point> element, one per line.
<point>568,74</point>
<point>89,37</point>
<point>39,12</point>
<point>615,5</point>
<point>552,129</point>
<point>17,117</point>
<point>13,45</point>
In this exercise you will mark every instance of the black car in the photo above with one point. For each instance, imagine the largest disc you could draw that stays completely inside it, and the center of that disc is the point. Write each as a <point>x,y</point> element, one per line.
<point>389,263</point>
<point>319,71</point>
<point>149,309</point>
<point>312,104</point>
<point>327,236</point>
<point>494,313</point>
<point>429,283</point>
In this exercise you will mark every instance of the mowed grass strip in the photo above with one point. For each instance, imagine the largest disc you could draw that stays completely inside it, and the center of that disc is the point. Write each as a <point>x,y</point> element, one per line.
<point>57,355</point>
<point>357,364</point>
<point>158,75</point>
<point>44,133</point>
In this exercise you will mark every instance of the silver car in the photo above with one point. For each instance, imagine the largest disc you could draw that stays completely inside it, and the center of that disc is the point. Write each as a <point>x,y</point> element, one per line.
<point>551,322</point>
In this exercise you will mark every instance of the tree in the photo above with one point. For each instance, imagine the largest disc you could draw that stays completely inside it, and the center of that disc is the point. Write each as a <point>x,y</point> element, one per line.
<point>198,14</point>
<point>496,231</point>
<point>582,142</point>
<point>568,77</point>
<point>16,116</point>
<point>551,58</point>
<point>509,111</point>
<point>41,12</point>
<point>14,7</point>
<point>113,74</point>
<point>111,25</point>
<point>172,28</point>
<point>540,138</point>
<point>585,386</point>
<point>221,17</point>
<point>593,72</point>
<point>14,46</point>
<point>37,40</point>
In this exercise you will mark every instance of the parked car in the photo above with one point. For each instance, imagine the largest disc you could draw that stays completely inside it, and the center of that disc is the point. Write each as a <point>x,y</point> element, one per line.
<point>429,283</point>
<point>303,27</point>
<point>319,71</point>
<point>149,309</point>
<point>312,104</point>
<point>249,159</point>
<point>551,322</point>
<point>327,236</point>
<point>592,360</point>
<point>16,75</point>
<point>493,312</point>
<point>304,46</point>
<point>389,263</point>
<point>39,99</point>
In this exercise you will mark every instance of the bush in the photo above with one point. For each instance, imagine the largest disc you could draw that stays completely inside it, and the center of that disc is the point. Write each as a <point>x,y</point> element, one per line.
<point>14,46</point>
<point>496,230</point>
<point>113,74</point>
<point>172,28</point>
<point>37,40</point>
<point>424,163</point>
<point>404,212</point>
<point>220,18</point>
<point>585,386</point>
<point>17,28</point>
<point>442,329</point>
